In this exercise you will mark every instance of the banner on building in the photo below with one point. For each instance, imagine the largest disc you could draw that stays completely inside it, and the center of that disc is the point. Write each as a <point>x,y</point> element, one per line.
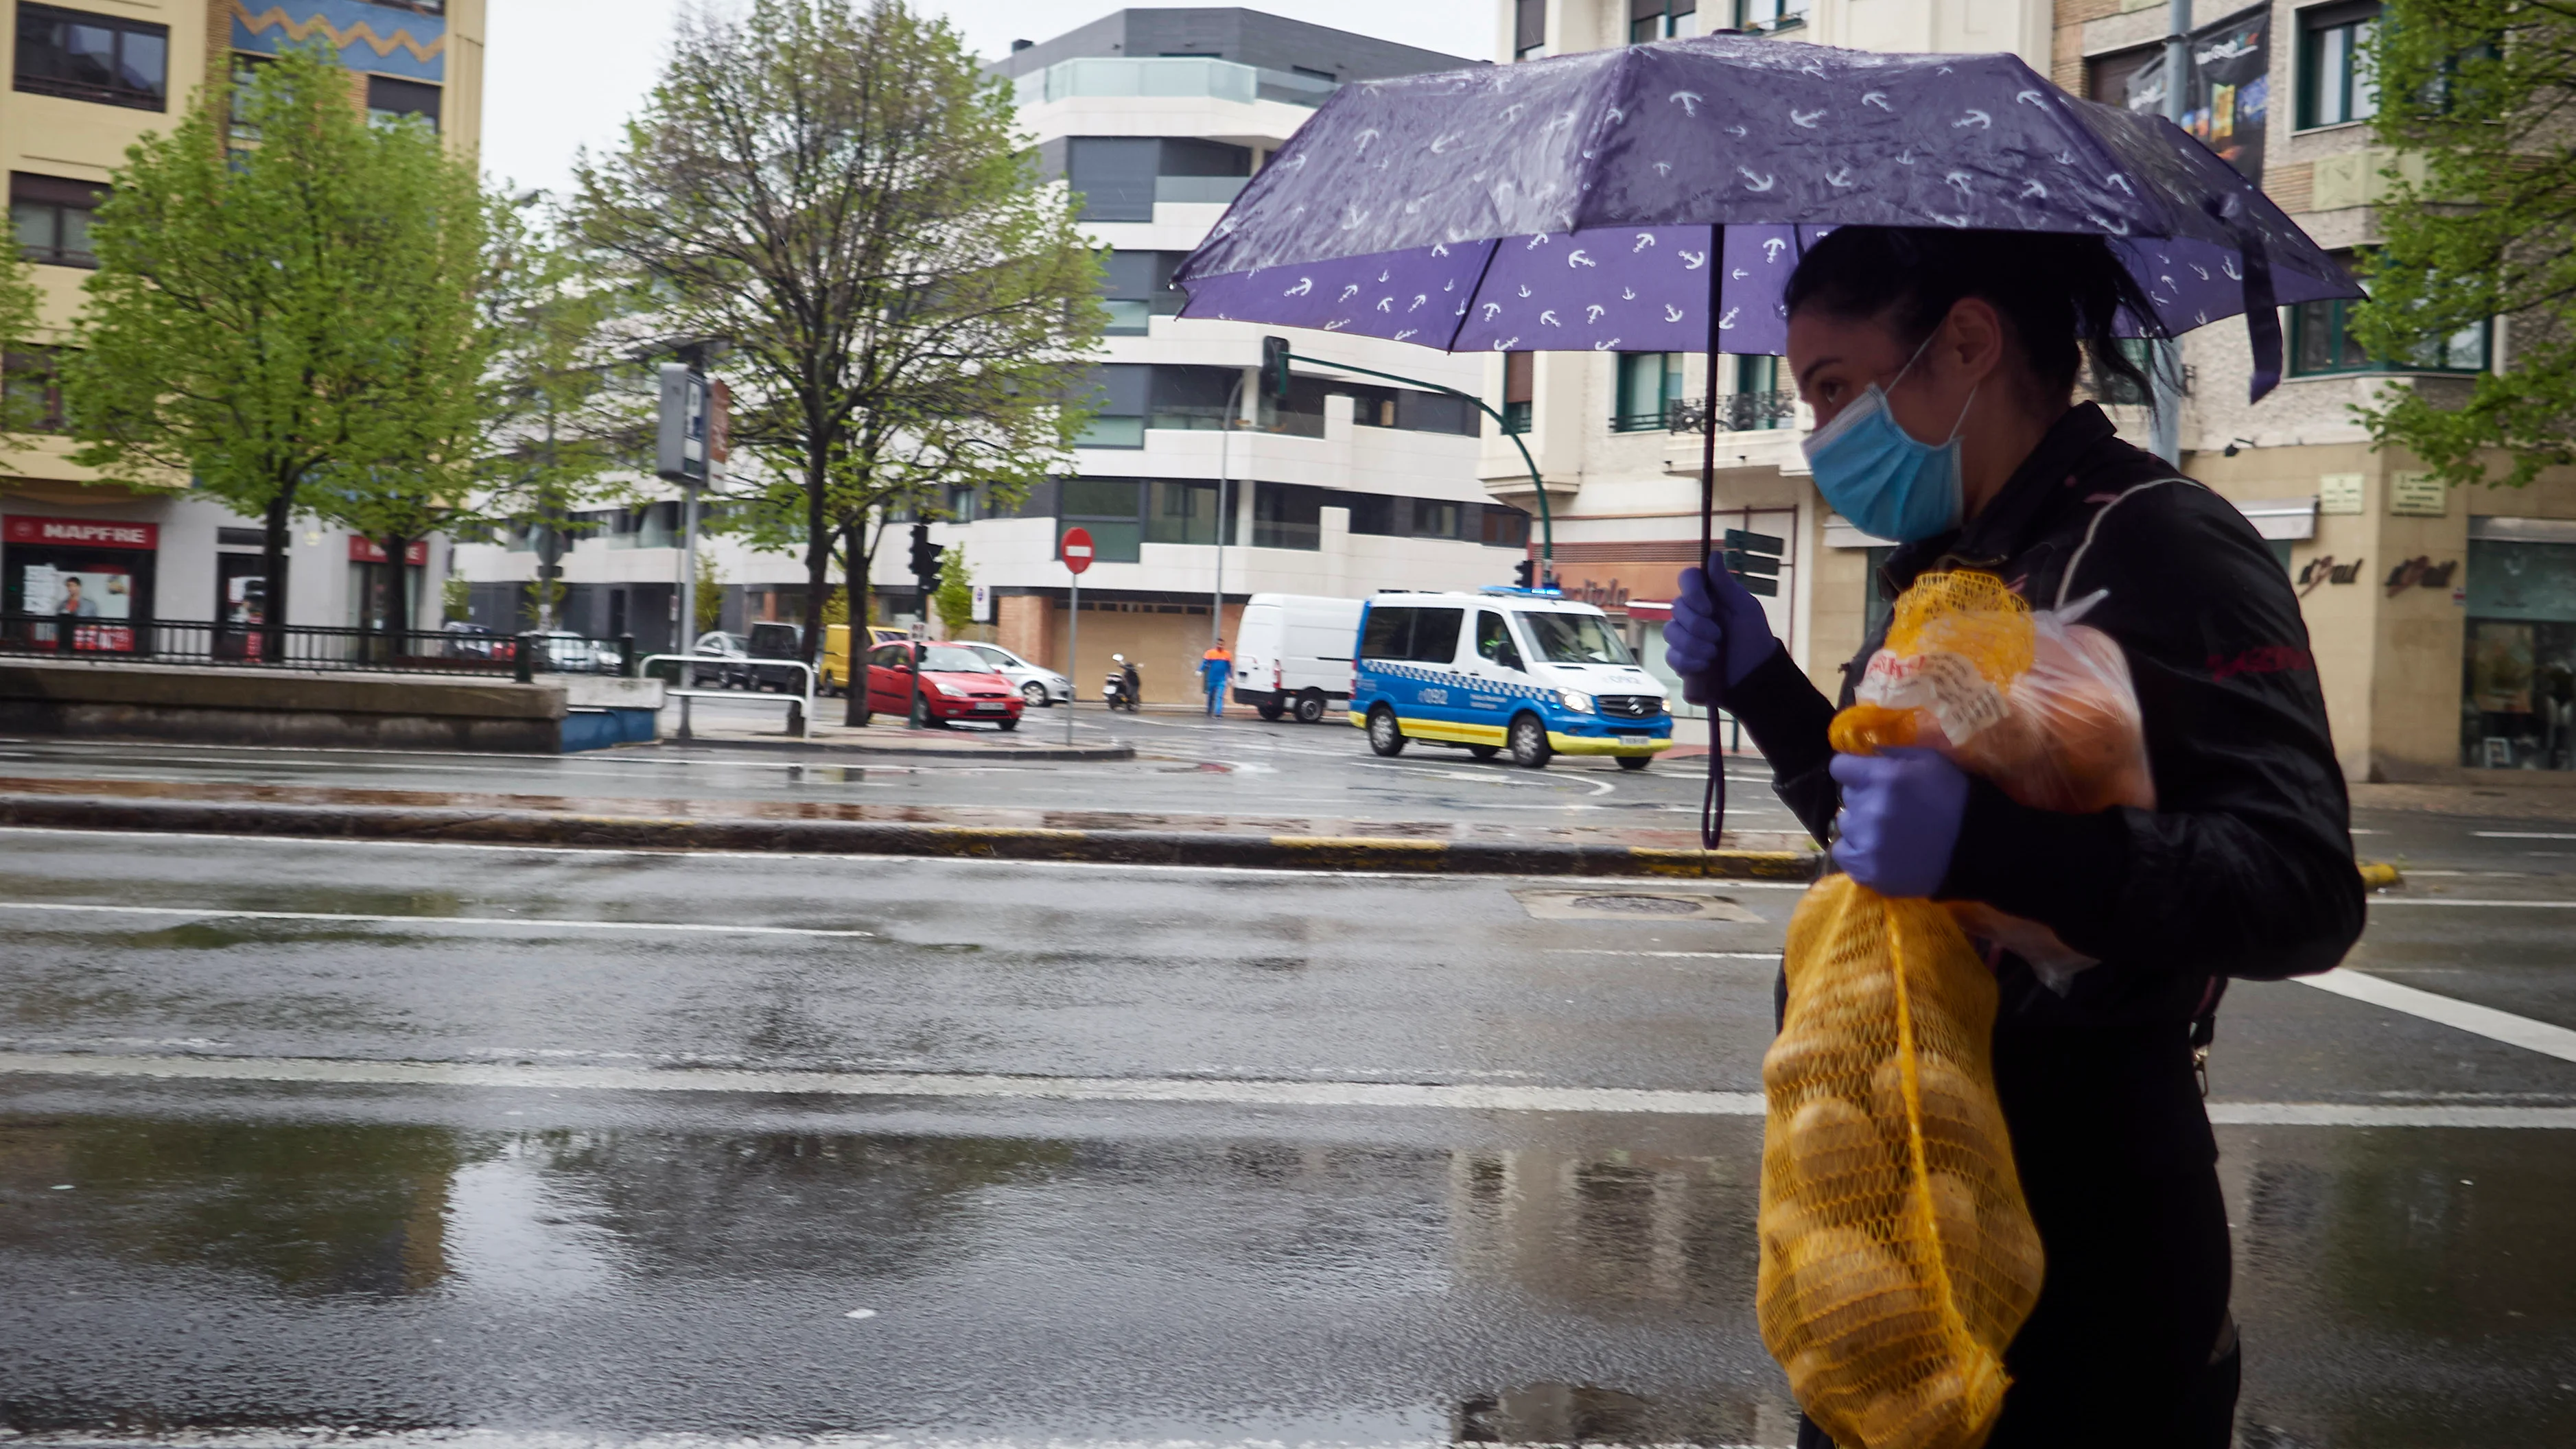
<point>2227,98</point>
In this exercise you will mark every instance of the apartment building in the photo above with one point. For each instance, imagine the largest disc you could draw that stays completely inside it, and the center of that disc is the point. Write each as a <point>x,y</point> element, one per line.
<point>2443,621</point>
<point>86,81</point>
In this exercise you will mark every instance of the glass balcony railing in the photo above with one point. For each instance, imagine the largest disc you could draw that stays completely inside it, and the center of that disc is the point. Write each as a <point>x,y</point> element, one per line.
<point>1219,189</point>
<point>1185,76</point>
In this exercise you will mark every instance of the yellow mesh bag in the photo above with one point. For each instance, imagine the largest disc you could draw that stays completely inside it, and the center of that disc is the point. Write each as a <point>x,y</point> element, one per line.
<point>1965,613</point>
<point>1898,1256</point>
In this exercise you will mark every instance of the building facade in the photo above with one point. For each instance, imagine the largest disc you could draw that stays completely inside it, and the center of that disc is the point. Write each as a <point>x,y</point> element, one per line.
<point>87,81</point>
<point>2443,621</point>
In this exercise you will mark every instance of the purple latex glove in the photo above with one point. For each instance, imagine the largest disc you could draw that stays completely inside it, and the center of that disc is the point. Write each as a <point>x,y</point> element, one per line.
<point>1900,819</point>
<point>1717,628</point>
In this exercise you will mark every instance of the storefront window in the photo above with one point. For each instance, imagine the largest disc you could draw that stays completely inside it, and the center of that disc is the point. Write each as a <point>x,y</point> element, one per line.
<point>2518,703</point>
<point>92,575</point>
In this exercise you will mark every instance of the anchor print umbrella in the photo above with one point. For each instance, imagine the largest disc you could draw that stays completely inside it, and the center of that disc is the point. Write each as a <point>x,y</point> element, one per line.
<point>1655,198</point>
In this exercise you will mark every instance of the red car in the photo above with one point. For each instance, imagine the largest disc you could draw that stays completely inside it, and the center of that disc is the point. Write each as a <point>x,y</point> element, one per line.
<point>956,684</point>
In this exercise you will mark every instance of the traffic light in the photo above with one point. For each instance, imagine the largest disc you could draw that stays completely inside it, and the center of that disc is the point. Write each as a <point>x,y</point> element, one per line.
<point>1274,367</point>
<point>1754,559</point>
<point>1522,572</point>
<point>925,565</point>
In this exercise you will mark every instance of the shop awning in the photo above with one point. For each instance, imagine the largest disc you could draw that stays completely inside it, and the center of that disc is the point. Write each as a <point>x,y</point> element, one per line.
<point>2280,517</point>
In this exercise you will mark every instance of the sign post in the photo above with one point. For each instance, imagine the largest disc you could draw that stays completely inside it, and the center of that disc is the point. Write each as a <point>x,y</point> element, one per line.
<point>1077,551</point>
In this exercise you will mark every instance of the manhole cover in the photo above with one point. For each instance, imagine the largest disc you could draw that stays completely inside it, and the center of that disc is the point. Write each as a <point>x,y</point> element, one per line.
<point>1637,905</point>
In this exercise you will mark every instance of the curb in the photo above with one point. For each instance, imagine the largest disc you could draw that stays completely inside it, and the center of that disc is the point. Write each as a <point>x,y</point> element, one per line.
<point>932,752</point>
<point>869,837</point>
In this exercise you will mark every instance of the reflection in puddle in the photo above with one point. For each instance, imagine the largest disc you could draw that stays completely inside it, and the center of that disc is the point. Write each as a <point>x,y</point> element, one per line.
<point>2397,1288</point>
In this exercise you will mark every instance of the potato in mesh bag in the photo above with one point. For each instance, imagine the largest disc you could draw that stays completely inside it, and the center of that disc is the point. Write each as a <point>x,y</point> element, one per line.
<point>1898,1257</point>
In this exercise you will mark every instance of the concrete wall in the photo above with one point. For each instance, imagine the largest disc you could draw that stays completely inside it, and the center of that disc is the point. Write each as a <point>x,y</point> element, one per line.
<point>263,707</point>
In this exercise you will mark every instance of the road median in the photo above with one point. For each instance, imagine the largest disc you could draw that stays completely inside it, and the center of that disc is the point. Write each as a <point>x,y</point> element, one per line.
<point>870,837</point>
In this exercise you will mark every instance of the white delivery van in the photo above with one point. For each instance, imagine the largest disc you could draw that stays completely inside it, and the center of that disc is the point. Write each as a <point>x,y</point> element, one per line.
<point>1292,652</point>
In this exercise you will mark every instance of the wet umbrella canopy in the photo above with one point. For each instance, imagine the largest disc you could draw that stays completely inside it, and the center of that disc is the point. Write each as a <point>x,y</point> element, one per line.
<point>1655,198</point>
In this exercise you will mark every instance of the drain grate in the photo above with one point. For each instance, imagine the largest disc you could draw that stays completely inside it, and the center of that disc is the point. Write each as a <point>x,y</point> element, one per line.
<point>1637,905</point>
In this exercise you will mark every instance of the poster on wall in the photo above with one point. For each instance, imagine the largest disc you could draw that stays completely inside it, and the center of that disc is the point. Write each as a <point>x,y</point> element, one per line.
<point>102,592</point>
<point>2228,95</point>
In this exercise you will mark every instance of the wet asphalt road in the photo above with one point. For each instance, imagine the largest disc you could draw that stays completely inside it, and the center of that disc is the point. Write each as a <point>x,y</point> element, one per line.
<point>619,1217</point>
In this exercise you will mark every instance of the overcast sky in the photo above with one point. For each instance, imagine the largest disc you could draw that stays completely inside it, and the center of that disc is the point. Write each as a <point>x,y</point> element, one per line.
<point>563,74</point>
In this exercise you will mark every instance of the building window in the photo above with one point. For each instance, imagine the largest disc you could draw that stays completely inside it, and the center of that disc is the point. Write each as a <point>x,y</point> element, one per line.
<point>1529,28</point>
<point>961,503</point>
<point>1287,515</point>
<point>34,391</point>
<point>1107,508</point>
<point>1122,177</point>
<point>1408,409</point>
<point>1520,384</point>
<point>86,57</point>
<point>1649,384</point>
<point>2321,342</point>
<point>2106,77</point>
<point>1179,511</point>
<point>1770,14</point>
<point>1136,286</point>
<point>2335,80</point>
<point>1118,392</point>
<point>390,99</point>
<point>1657,19</point>
<point>51,217</point>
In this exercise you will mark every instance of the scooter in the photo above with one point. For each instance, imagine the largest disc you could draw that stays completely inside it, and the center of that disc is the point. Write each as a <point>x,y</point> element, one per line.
<point>1124,688</point>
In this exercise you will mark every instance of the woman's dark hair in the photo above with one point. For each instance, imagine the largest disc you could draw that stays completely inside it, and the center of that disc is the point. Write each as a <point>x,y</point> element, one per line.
<point>2059,292</point>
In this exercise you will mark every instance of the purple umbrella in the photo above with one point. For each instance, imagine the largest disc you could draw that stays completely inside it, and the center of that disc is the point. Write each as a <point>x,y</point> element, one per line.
<point>1654,198</point>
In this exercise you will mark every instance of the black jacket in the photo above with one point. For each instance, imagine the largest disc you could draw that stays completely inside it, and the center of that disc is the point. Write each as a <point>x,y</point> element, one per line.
<point>2243,869</point>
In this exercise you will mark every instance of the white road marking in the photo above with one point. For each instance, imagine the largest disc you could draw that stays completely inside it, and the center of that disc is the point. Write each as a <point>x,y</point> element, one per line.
<point>2485,1021</point>
<point>1686,955</point>
<point>1210,1091</point>
<point>2378,901</point>
<point>2524,834</point>
<point>218,913</point>
<point>335,1437</point>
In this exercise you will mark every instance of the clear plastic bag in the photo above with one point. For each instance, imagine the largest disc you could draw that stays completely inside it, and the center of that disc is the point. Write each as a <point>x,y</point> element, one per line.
<point>2034,701</point>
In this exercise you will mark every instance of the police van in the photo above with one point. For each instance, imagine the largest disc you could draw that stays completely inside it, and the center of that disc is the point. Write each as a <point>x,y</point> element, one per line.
<point>1520,670</point>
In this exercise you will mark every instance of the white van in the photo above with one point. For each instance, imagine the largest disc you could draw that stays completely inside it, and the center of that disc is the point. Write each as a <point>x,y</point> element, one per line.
<point>1293,652</point>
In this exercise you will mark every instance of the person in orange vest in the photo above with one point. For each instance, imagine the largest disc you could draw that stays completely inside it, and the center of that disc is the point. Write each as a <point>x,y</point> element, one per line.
<point>1215,668</point>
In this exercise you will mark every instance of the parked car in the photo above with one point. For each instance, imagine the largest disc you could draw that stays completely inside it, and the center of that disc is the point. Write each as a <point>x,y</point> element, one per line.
<point>777,641</point>
<point>468,640</point>
<point>1293,652</point>
<point>834,668</point>
<point>1517,670</point>
<point>563,652</point>
<point>723,658</point>
<point>956,684</point>
<point>1037,684</point>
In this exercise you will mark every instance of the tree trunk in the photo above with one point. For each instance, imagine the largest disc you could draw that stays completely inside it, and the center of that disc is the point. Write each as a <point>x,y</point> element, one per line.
<point>861,642</point>
<point>398,603</point>
<point>818,565</point>
<point>272,584</point>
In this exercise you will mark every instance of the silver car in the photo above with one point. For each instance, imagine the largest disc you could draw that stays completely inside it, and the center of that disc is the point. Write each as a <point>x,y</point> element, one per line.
<point>1039,685</point>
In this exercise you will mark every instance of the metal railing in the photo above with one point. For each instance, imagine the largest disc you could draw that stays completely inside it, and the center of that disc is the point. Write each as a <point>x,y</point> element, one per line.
<point>1737,412</point>
<point>312,647</point>
<point>674,668</point>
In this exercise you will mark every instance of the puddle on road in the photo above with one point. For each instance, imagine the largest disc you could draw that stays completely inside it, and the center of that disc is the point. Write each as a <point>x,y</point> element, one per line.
<point>2398,1288</point>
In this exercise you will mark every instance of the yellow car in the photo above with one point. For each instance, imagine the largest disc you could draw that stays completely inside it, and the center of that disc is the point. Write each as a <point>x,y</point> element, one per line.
<point>836,651</point>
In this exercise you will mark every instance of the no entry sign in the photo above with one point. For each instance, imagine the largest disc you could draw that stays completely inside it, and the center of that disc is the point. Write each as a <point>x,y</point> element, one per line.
<point>1076,549</point>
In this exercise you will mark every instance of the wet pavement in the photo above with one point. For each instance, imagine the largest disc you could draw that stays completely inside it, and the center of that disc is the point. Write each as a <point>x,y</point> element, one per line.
<point>637,1208</point>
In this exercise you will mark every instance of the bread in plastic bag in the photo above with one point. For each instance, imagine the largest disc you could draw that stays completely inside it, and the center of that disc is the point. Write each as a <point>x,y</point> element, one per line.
<point>1897,1254</point>
<point>2034,701</point>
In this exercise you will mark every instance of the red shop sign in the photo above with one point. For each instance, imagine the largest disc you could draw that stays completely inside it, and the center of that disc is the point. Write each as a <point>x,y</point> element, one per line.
<point>367,550</point>
<point>82,532</point>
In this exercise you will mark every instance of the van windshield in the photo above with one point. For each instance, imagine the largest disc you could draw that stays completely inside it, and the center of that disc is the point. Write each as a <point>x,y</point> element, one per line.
<point>1575,639</point>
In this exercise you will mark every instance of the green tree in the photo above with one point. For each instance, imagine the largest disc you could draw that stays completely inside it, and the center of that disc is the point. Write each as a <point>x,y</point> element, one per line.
<point>249,323</point>
<point>710,594</point>
<point>25,373</point>
<point>2484,91</point>
<point>841,194</point>
<point>570,393</point>
<point>955,596</point>
<point>456,597</point>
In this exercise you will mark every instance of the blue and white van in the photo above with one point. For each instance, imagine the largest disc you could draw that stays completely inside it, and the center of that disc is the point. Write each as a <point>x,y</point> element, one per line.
<point>1518,670</point>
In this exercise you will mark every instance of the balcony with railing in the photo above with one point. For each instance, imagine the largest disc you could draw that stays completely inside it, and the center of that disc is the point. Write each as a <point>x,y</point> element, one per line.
<point>1185,77</point>
<point>1737,412</point>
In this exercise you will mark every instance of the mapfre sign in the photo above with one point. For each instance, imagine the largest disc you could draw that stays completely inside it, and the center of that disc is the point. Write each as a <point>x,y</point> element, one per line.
<point>80,532</point>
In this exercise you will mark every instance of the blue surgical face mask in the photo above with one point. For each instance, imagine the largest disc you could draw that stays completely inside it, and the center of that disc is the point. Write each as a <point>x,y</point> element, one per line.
<point>1874,473</point>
